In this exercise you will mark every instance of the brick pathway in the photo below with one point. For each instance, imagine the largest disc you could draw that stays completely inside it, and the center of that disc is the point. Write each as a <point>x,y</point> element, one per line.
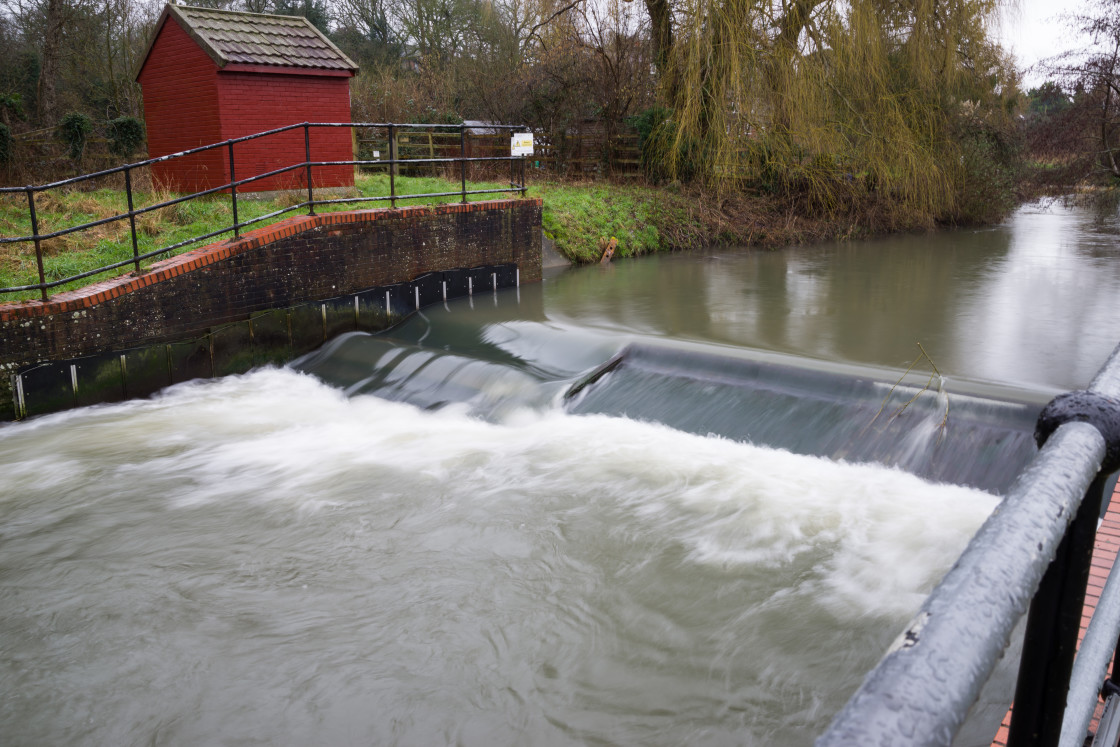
<point>1104,555</point>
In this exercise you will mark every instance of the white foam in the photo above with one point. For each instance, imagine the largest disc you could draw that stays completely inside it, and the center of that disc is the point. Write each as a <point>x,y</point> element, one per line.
<point>870,538</point>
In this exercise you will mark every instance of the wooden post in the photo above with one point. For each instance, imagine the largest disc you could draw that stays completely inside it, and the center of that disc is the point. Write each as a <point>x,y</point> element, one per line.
<point>393,150</point>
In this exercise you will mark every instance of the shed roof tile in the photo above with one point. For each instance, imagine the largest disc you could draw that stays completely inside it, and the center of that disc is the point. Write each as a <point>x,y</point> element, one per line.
<point>259,39</point>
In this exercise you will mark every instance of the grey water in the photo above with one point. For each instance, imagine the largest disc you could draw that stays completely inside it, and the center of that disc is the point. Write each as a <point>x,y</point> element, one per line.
<point>552,515</point>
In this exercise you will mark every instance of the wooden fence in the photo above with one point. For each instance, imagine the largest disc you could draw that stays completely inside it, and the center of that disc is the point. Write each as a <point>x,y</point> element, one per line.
<point>589,154</point>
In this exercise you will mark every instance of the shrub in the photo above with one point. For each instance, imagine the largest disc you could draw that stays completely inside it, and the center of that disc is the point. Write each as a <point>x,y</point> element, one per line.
<point>126,134</point>
<point>5,145</point>
<point>73,130</point>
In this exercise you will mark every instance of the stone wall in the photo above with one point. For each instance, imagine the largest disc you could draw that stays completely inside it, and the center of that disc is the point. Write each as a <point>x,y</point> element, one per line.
<point>230,295</point>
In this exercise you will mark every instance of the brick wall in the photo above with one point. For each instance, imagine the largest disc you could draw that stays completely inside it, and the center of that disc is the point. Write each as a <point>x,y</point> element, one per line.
<point>252,102</point>
<point>180,85</point>
<point>298,260</point>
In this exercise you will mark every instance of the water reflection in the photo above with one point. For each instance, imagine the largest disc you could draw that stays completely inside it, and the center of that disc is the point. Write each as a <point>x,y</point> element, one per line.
<point>1029,302</point>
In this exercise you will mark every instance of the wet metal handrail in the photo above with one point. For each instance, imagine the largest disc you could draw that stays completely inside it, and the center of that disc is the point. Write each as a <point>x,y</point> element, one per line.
<point>1035,549</point>
<point>306,166</point>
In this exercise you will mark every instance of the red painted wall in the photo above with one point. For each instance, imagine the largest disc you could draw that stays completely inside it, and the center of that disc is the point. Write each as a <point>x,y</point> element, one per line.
<point>253,102</point>
<point>180,85</point>
<point>189,102</point>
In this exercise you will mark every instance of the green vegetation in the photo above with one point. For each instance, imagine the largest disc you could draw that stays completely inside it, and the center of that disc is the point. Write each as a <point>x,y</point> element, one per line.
<point>73,130</point>
<point>848,108</point>
<point>126,136</point>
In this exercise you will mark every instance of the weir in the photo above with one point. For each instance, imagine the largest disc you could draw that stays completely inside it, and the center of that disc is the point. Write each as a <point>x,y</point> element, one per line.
<point>962,433</point>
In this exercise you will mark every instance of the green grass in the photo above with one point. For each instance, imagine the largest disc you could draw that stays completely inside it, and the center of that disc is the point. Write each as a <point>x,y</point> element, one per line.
<point>578,217</point>
<point>643,219</point>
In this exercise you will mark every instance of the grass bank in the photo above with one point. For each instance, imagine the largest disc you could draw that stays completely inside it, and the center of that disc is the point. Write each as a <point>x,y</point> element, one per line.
<point>578,217</point>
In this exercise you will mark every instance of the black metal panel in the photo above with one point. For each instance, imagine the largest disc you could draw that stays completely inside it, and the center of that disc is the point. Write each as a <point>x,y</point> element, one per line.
<point>482,279</point>
<point>306,324</point>
<point>426,289</point>
<point>190,359</point>
<point>507,275</point>
<point>400,302</point>
<point>339,315</point>
<point>47,388</point>
<point>456,281</point>
<point>233,349</point>
<point>99,378</point>
<point>270,337</point>
<point>146,370</point>
<point>372,314</point>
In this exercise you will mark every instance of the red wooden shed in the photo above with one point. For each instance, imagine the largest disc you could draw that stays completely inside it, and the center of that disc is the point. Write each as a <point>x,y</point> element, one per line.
<point>211,75</point>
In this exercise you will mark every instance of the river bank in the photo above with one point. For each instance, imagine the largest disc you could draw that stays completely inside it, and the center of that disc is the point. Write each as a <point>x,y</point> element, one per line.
<point>579,218</point>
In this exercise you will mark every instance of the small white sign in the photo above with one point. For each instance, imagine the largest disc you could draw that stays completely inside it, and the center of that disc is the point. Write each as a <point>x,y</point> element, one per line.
<point>377,154</point>
<point>521,144</point>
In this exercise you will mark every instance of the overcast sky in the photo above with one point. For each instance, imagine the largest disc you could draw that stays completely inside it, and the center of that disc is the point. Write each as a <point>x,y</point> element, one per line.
<point>1035,31</point>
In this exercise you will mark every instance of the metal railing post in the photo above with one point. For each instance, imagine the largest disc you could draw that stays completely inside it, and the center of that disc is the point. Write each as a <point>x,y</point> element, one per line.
<point>462,160</point>
<point>132,218</point>
<point>1053,624</point>
<point>307,153</point>
<point>38,241</point>
<point>392,168</point>
<point>522,176</point>
<point>233,193</point>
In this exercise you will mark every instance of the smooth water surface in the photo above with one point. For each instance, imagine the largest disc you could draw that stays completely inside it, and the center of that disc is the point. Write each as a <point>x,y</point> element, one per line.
<point>428,542</point>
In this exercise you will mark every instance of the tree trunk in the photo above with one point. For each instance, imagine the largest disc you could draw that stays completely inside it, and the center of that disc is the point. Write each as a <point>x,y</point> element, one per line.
<point>50,58</point>
<point>661,29</point>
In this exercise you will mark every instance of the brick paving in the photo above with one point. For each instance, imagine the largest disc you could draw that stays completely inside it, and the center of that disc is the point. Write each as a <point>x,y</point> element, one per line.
<point>1104,556</point>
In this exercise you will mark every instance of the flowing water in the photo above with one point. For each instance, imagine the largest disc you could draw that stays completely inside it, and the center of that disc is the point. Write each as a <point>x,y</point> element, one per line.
<point>550,516</point>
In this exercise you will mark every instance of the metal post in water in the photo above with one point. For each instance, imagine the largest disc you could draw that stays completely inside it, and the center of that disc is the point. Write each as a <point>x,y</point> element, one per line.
<point>21,402</point>
<point>233,194</point>
<point>470,286</point>
<point>444,290</point>
<point>416,291</point>
<point>307,153</point>
<point>131,218</point>
<point>494,282</point>
<point>38,241</point>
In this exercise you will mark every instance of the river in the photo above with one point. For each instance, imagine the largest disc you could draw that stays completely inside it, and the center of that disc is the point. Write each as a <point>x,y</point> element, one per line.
<point>468,530</point>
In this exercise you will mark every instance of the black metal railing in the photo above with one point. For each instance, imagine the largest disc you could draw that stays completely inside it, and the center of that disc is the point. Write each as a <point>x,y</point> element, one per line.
<point>1036,550</point>
<point>392,164</point>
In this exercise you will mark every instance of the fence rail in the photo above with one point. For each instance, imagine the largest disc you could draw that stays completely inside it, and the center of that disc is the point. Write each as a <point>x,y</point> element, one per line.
<point>305,168</point>
<point>1036,550</point>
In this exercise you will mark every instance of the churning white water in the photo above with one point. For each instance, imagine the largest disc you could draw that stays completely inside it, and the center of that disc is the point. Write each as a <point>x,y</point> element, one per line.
<point>262,560</point>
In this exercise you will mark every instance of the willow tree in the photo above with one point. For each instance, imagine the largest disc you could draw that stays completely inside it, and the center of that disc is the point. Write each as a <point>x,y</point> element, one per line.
<point>841,103</point>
